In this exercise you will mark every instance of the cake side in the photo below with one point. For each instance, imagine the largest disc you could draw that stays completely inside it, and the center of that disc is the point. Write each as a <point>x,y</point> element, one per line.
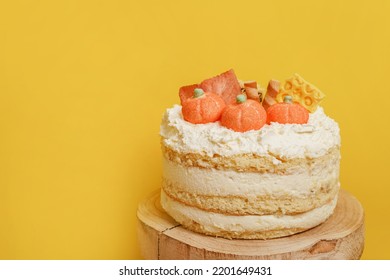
<point>242,176</point>
<point>247,226</point>
<point>248,193</point>
<point>260,182</point>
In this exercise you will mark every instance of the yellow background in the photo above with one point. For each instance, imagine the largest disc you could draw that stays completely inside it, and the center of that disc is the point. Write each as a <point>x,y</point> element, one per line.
<point>83,86</point>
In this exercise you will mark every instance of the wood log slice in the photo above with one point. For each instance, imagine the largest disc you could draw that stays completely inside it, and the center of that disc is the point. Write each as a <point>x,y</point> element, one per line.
<point>339,237</point>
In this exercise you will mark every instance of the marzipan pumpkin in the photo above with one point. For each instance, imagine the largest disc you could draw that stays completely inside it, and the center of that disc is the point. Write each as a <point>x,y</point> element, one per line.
<point>287,112</point>
<point>202,107</point>
<point>244,115</point>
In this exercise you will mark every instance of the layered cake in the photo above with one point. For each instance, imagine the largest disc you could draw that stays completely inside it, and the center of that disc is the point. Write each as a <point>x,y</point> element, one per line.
<point>243,162</point>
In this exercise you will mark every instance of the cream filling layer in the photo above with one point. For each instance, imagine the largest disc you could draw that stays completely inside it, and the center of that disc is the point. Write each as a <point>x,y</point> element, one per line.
<point>216,222</point>
<point>206,181</point>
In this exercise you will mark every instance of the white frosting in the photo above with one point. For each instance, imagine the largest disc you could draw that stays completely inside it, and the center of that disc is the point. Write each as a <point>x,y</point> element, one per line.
<point>313,139</point>
<point>215,222</point>
<point>209,181</point>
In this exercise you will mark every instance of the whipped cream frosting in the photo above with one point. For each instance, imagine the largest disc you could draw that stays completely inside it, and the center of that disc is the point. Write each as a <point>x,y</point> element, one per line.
<point>276,140</point>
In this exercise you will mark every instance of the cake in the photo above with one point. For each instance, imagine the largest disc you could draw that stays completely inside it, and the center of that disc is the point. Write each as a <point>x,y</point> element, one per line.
<point>259,165</point>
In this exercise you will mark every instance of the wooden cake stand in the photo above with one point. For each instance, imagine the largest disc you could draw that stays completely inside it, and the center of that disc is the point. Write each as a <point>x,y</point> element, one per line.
<point>340,237</point>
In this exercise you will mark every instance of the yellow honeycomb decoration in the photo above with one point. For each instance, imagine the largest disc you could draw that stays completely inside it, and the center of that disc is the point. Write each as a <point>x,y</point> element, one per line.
<point>301,92</point>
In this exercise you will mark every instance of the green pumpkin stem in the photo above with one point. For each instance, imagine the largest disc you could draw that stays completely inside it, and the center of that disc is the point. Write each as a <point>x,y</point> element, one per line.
<point>198,92</point>
<point>241,98</point>
<point>287,99</point>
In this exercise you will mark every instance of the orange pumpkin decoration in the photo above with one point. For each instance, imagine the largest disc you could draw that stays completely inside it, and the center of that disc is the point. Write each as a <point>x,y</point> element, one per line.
<point>244,115</point>
<point>287,112</point>
<point>203,107</point>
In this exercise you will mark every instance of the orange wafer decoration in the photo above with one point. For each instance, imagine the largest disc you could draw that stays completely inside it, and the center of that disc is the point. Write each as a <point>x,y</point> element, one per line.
<point>272,91</point>
<point>252,90</point>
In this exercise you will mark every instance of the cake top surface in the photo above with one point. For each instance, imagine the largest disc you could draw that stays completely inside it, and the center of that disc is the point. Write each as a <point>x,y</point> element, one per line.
<point>224,116</point>
<point>276,140</point>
